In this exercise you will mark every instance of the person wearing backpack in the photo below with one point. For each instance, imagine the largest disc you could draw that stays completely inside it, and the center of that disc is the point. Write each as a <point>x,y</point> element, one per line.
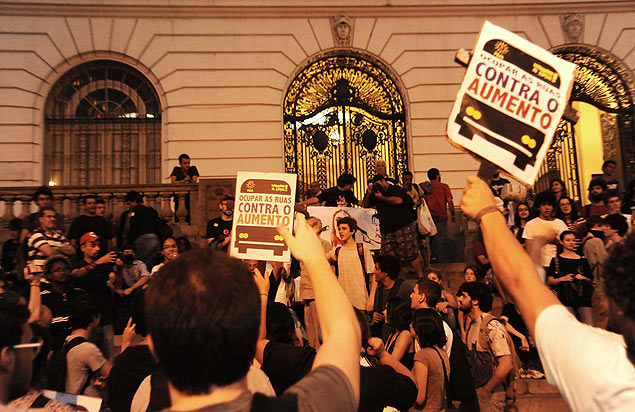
<point>488,347</point>
<point>86,367</point>
<point>352,262</point>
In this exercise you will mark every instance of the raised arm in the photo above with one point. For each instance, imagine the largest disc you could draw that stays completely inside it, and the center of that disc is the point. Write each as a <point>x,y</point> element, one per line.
<point>340,329</point>
<point>512,266</point>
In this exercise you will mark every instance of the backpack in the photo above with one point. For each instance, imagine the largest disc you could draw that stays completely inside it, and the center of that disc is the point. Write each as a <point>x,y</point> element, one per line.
<point>510,381</point>
<point>460,383</point>
<point>56,367</point>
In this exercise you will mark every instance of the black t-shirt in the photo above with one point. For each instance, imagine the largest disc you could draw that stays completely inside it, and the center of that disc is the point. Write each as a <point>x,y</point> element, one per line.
<point>97,224</point>
<point>143,220</point>
<point>180,176</point>
<point>392,217</point>
<point>9,252</point>
<point>336,197</point>
<point>380,386</point>
<point>60,306</point>
<point>95,284</point>
<point>286,364</point>
<point>128,371</point>
<point>218,228</point>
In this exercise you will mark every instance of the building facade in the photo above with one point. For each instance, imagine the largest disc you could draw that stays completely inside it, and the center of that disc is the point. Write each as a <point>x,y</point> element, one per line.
<point>112,92</point>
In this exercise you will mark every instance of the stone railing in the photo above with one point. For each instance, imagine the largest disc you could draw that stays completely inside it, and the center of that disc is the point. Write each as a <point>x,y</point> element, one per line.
<point>203,201</point>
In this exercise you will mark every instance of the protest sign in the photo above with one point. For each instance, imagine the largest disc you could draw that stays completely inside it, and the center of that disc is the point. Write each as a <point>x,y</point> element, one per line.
<point>263,201</point>
<point>510,102</point>
<point>367,223</point>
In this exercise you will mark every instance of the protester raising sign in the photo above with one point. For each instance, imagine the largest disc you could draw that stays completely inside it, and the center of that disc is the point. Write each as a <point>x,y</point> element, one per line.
<point>510,102</point>
<point>263,201</point>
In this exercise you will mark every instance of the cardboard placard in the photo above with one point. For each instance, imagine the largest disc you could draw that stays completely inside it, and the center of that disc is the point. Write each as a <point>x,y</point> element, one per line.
<point>367,222</point>
<point>510,102</point>
<point>263,201</point>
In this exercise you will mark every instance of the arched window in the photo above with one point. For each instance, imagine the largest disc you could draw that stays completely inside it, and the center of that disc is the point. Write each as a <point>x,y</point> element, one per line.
<point>102,126</point>
<point>341,114</point>
<point>604,94</point>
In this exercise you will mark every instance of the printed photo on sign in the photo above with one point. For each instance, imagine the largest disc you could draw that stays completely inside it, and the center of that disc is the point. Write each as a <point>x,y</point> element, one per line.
<point>263,201</point>
<point>367,222</point>
<point>510,102</point>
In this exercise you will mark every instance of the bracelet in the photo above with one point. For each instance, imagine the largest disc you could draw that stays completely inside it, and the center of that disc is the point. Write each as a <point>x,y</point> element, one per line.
<point>35,284</point>
<point>264,294</point>
<point>486,210</point>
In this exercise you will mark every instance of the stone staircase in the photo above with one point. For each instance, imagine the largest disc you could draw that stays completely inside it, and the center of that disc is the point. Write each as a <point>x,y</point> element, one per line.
<point>532,395</point>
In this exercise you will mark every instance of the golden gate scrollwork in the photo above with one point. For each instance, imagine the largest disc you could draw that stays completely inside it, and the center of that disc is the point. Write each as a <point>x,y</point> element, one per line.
<point>341,114</point>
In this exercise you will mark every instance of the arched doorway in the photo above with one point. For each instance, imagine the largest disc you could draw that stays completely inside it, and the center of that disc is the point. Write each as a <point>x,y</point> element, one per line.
<point>342,112</point>
<point>604,94</point>
<point>102,126</point>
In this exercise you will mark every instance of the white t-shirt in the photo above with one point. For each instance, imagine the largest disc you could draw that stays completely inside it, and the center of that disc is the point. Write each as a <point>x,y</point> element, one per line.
<point>590,367</point>
<point>549,250</point>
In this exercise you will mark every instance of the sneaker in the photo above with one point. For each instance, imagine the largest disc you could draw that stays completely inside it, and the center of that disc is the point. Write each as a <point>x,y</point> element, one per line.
<point>534,374</point>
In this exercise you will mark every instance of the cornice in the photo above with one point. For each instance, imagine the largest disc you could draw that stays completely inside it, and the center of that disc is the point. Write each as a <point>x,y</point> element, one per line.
<point>285,10</point>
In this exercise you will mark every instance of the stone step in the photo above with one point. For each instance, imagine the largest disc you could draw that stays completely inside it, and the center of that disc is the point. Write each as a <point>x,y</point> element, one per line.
<point>541,403</point>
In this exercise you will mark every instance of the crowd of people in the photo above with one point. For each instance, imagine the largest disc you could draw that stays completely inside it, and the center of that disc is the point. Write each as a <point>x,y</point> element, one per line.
<point>339,328</point>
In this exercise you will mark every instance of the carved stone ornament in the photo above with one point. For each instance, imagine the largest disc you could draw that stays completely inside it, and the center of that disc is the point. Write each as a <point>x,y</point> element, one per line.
<point>573,27</point>
<point>342,28</point>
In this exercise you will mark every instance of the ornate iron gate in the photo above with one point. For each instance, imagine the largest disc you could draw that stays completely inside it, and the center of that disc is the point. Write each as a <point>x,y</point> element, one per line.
<point>605,84</point>
<point>341,114</point>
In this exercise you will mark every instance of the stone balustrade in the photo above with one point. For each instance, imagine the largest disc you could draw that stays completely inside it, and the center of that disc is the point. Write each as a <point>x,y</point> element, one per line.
<point>203,200</point>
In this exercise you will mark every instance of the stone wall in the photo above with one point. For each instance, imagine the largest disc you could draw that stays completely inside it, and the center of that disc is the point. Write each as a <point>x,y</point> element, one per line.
<point>221,71</point>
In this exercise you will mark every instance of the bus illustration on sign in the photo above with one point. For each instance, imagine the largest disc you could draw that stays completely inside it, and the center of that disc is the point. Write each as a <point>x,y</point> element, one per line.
<point>479,119</point>
<point>262,237</point>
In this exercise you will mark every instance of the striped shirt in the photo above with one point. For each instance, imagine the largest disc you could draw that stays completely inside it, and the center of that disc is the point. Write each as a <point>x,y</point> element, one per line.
<point>36,259</point>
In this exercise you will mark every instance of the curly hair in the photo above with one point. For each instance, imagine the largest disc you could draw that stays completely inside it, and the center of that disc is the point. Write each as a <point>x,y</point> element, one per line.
<point>619,278</point>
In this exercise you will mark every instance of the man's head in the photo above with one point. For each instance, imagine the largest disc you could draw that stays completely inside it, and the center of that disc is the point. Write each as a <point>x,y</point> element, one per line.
<point>58,270</point>
<point>85,312</point>
<point>127,255</point>
<point>226,206</point>
<point>315,223</point>
<point>43,196</point>
<point>100,208</point>
<point>133,198</point>
<point>169,249</point>
<point>434,174</point>
<point>89,245</point>
<point>184,161</point>
<point>597,187</point>
<point>475,295</point>
<point>381,182</point>
<point>425,294</point>
<point>16,363</point>
<point>407,178</point>
<point>433,275</point>
<point>314,188</point>
<point>615,224</point>
<point>48,218</point>
<point>90,204</point>
<point>346,181</point>
<point>613,201</point>
<point>346,228</point>
<point>386,266</point>
<point>608,167</point>
<point>380,167</point>
<point>545,202</point>
<point>619,284</point>
<point>219,299</point>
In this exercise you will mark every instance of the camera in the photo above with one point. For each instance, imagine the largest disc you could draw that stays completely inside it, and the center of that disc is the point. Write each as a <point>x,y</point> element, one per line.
<point>376,187</point>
